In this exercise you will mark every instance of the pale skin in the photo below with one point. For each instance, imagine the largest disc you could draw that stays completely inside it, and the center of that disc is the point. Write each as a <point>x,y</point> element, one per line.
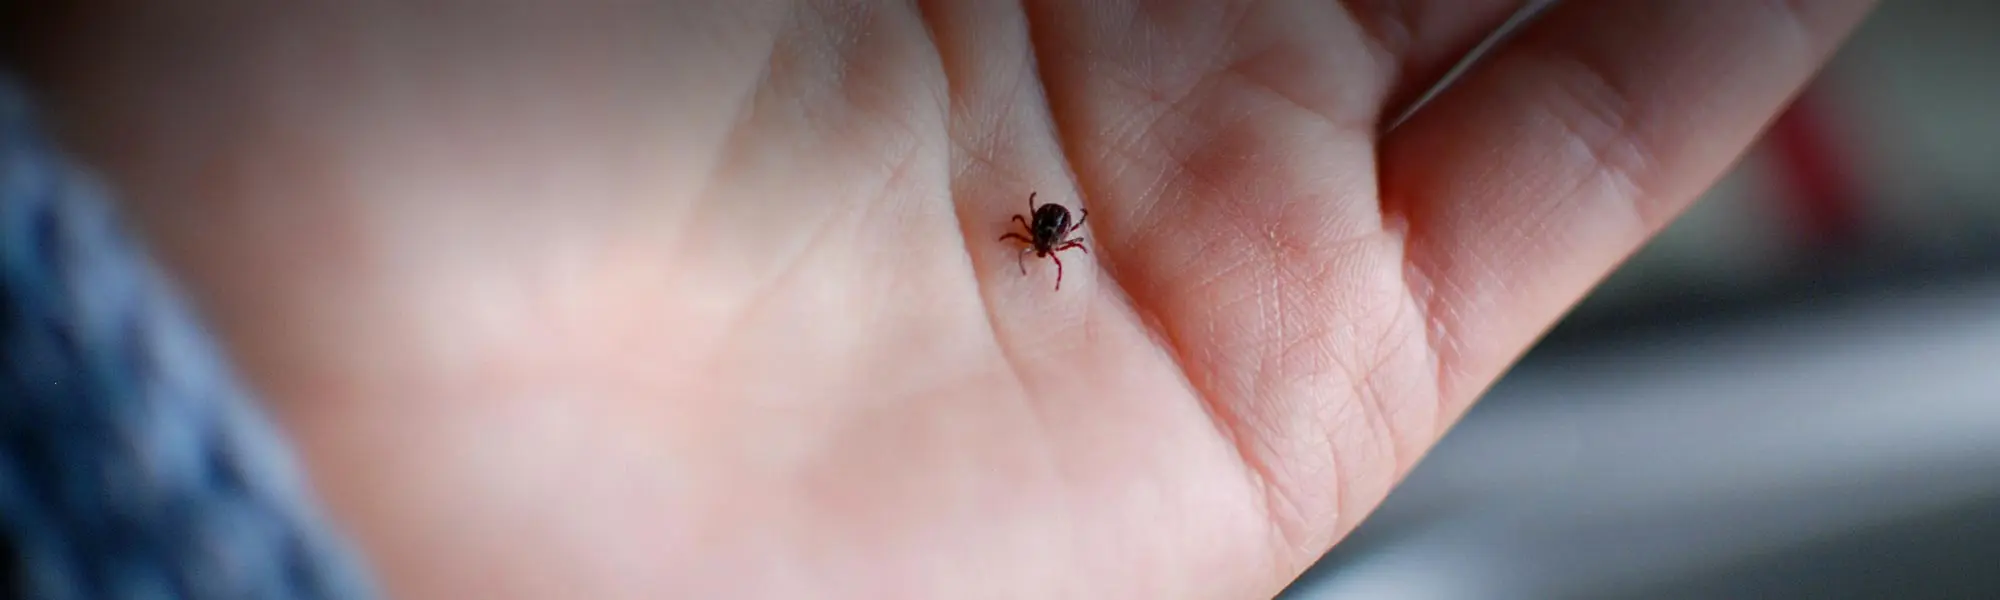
<point>705,300</point>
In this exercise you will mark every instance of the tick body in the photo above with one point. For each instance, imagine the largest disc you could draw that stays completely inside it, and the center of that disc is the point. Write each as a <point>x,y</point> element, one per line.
<point>1048,228</point>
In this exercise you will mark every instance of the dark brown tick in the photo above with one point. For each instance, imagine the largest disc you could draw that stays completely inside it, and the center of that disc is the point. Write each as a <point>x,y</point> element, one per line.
<point>1048,234</point>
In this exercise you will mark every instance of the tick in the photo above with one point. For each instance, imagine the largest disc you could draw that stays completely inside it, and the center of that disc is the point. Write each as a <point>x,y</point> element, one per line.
<point>1048,234</point>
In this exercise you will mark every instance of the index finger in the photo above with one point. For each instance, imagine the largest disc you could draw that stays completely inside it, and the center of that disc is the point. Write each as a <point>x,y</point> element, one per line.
<point>1546,166</point>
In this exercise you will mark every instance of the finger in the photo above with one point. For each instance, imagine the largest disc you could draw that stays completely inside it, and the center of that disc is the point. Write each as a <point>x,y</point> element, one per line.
<point>1526,182</point>
<point>1424,39</point>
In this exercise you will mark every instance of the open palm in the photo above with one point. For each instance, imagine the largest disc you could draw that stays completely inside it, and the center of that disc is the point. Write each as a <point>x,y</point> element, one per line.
<point>710,301</point>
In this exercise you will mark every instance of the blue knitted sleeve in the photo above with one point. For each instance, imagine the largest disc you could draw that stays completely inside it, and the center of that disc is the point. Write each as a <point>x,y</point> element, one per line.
<point>132,463</point>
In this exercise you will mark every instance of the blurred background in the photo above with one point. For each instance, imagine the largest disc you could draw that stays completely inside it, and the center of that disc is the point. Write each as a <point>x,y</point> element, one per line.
<point>1793,393</point>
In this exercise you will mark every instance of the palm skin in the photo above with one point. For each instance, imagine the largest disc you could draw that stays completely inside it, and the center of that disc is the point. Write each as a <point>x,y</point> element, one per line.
<point>706,301</point>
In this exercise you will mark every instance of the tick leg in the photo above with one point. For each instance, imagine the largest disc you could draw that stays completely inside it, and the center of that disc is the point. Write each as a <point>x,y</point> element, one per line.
<point>1080,220</point>
<point>1016,236</point>
<point>1076,243</point>
<point>1059,270</point>
<point>1023,221</point>
<point>1020,259</point>
<point>1031,203</point>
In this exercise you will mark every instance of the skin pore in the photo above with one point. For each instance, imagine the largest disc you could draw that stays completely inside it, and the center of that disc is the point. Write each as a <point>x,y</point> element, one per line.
<point>680,299</point>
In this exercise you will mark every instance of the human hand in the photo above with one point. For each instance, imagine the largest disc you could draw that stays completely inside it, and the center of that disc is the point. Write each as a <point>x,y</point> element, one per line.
<point>707,300</point>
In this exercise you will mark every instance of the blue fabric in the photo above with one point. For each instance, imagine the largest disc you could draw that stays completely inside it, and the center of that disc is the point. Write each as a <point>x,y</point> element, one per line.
<point>132,463</point>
